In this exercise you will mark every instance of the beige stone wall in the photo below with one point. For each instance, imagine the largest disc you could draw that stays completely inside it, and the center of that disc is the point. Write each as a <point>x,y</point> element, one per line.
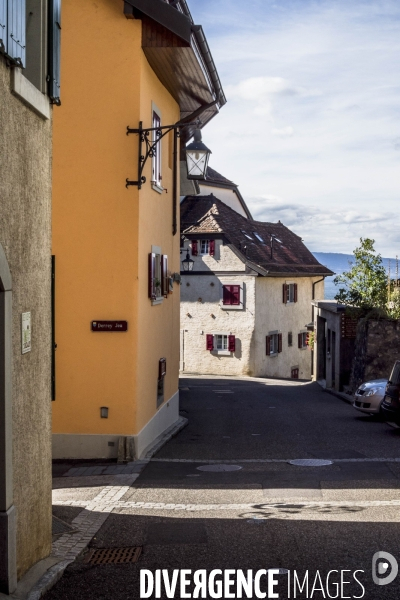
<point>273,315</point>
<point>25,184</point>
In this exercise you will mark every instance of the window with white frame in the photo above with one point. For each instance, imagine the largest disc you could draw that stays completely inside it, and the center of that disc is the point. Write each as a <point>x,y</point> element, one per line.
<point>204,246</point>
<point>221,343</point>
<point>273,345</point>
<point>303,340</point>
<point>232,297</point>
<point>156,176</point>
<point>159,283</point>
<point>289,293</point>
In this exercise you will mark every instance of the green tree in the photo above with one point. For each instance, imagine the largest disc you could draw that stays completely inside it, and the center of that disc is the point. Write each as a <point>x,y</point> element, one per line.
<point>366,280</point>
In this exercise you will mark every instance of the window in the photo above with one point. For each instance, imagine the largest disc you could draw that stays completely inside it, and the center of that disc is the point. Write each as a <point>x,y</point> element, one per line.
<point>232,296</point>
<point>247,235</point>
<point>30,36</point>
<point>290,339</point>
<point>273,345</point>
<point>289,293</point>
<point>303,340</point>
<point>294,372</point>
<point>156,159</point>
<point>221,343</point>
<point>258,237</point>
<point>204,246</point>
<point>158,275</point>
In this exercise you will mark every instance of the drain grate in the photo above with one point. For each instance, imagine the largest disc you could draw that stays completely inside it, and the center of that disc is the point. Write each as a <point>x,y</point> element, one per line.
<point>106,556</point>
<point>310,462</point>
<point>219,468</point>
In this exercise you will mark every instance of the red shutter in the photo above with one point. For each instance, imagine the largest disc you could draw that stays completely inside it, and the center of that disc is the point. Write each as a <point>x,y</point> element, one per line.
<point>195,250</point>
<point>295,292</point>
<point>235,295</point>
<point>284,293</point>
<point>152,260</point>
<point>210,341</point>
<point>231,343</point>
<point>279,342</point>
<point>268,345</point>
<point>212,247</point>
<point>164,275</point>
<point>300,340</point>
<point>226,294</point>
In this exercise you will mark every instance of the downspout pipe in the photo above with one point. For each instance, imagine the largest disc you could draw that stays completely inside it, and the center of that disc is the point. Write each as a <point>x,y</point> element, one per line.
<point>314,284</point>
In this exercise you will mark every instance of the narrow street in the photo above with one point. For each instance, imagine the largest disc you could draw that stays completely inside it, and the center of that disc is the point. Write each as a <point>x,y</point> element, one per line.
<point>267,513</point>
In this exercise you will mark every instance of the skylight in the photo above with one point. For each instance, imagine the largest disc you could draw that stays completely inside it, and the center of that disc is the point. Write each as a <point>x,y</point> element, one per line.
<point>258,236</point>
<point>247,235</point>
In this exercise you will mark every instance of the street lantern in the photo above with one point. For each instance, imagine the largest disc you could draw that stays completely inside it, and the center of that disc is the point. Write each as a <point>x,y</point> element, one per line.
<point>187,263</point>
<point>197,155</point>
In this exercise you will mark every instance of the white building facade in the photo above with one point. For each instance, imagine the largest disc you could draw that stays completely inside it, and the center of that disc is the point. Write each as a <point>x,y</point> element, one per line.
<point>246,302</point>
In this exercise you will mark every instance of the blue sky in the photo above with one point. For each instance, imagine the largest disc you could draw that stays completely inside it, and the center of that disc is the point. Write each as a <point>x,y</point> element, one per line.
<point>311,130</point>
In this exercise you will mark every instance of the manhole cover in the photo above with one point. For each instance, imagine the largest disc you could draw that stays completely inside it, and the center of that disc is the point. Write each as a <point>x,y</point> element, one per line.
<point>310,462</point>
<point>219,468</point>
<point>105,556</point>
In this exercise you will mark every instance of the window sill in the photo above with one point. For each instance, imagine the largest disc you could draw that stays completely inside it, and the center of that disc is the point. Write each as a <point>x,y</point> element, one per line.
<point>157,301</point>
<point>222,353</point>
<point>274,355</point>
<point>157,188</point>
<point>231,307</point>
<point>23,89</point>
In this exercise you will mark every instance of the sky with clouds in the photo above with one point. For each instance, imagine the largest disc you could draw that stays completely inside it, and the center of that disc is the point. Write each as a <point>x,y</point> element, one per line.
<point>311,129</point>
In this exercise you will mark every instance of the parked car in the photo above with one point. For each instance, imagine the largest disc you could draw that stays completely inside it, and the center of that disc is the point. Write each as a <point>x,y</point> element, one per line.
<point>369,396</point>
<point>391,401</point>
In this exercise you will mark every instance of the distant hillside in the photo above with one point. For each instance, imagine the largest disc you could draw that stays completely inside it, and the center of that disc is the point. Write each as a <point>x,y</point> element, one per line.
<point>338,263</point>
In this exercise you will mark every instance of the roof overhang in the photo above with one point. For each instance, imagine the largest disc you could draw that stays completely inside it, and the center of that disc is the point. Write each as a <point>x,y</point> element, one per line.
<point>178,53</point>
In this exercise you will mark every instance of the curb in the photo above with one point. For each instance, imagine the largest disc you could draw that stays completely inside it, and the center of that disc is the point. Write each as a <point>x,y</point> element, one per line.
<point>47,580</point>
<point>169,433</point>
<point>341,395</point>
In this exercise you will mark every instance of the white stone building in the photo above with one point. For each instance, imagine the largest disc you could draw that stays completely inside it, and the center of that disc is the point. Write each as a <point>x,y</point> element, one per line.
<point>246,303</point>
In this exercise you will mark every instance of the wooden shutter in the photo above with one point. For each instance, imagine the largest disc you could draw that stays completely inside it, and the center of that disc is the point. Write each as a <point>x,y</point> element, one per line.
<point>152,272</point>
<point>3,26</point>
<point>164,275</point>
<point>268,345</point>
<point>226,295</point>
<point>284,293</point>
<point>195,248</point>
<point>212,247</point>
<point>210,341</point>
<point>295,292</point>
<point>231,343</point>
<point>16,23</point>
<point>279,342</point>
<point>300,339</point>
<point>235,295</point>
<point>54,51</point>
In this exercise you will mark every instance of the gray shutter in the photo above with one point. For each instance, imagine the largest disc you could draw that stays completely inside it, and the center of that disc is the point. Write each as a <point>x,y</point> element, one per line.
<point>3,25</point>
<point>54,51</point>
<point>17,31</point>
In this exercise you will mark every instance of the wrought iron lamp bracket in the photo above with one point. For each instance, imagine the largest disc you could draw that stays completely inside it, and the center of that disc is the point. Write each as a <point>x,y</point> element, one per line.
<point>151,145</point>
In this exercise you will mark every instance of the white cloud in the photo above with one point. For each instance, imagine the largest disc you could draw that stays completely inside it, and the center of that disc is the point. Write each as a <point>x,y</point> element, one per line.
<point>331,71</point>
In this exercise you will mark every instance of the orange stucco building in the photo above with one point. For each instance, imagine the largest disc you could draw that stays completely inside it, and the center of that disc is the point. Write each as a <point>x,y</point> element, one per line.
<point>122,63</point>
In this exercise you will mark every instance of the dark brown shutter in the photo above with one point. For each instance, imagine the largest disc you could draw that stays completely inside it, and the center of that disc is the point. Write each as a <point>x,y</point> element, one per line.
<point>279,342</point>
<point>152,260</point>
<point>231,343</point>
<point>268,345</point>
<point>235,295</point>
<point>284,293</point>
<point>226,295</point>
<point>295,292</point>
<point>300,340</point>
<point>212,247</point>
<point>164,275</point>
<point>54,51</point>
<point>195,249</point>
<point>210,341</point>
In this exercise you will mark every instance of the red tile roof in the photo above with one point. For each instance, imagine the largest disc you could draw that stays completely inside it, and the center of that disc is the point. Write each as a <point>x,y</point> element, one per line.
<point>208,215</point>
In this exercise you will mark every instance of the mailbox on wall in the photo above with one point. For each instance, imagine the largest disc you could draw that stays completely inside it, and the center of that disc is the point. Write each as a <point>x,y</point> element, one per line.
<point>162,368</point>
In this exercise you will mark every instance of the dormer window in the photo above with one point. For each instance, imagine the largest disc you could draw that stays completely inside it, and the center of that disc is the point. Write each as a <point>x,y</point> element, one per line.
<point>204,246</point>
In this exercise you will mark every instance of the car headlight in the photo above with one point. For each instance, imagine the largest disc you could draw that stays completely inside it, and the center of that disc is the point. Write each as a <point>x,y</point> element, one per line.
<point>372,392</point>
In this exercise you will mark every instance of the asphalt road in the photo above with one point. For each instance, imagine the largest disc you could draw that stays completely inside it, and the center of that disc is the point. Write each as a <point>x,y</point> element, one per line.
<point>310,520</point>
